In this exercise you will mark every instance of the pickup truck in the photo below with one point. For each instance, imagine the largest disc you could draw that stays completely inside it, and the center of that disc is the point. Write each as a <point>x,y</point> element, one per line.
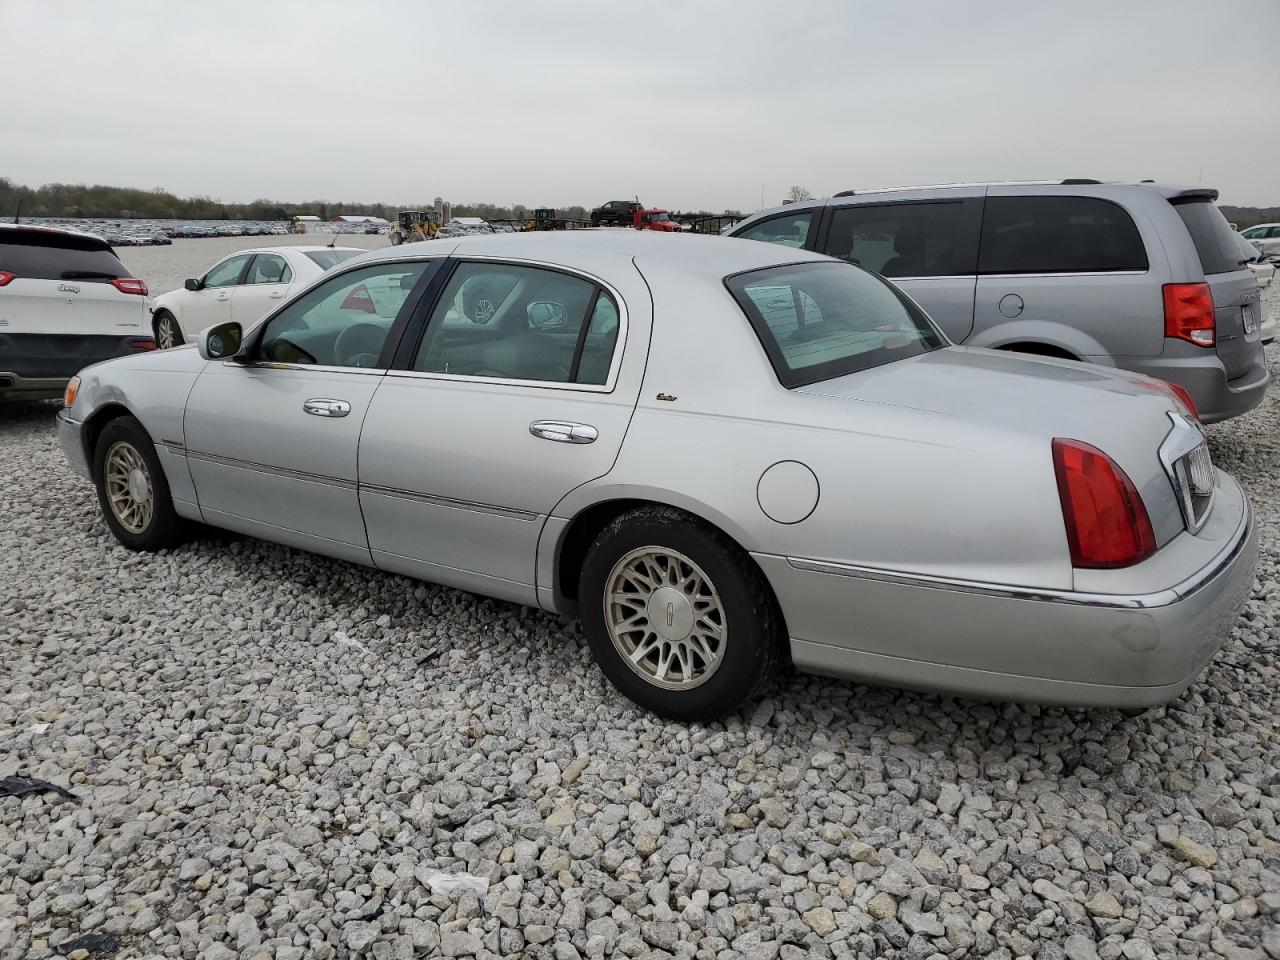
<point>617,212</point>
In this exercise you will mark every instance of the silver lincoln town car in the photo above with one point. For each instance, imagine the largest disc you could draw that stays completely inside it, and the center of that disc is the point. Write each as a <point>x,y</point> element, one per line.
<point>717,453</point>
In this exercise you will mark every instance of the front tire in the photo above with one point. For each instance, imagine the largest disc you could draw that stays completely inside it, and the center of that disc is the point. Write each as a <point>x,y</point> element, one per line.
<point>678,616</point>
<point>132,490</point>
<point>168,332</point>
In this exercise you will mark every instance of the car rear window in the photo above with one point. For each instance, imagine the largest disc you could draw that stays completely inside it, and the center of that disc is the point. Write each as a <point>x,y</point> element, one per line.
<point>1058,235</point>
<point>36,255</point>
<point>324,259</point>
<point>1213,237</point>
<point>818,321</point>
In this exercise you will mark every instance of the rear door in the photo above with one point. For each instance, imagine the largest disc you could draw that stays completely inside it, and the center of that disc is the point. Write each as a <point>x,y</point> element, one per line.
<point>265,284</point>
<point>926,247</point>
<point>1236,296</point>
<point>490,422</point>
<point>1070,271</point>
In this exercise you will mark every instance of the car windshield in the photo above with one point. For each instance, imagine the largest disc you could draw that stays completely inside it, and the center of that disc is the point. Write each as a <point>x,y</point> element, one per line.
<point>657,216</point>
<point>818,321</point>
<point>324,259</point>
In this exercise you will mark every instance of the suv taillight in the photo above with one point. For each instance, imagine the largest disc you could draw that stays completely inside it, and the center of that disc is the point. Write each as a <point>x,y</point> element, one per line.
<point>5,277</point>
<point>130,285</point>
<point>1107,523</point>
<point>1188,313</point>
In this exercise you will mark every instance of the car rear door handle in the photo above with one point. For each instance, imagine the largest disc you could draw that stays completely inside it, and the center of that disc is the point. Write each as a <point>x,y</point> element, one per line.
<point>562,431</point>
<point>327,408</point>
<point>275,295</point>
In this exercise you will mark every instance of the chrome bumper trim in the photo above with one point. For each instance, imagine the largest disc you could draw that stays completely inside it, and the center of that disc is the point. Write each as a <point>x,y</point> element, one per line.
<point>1161,598</point>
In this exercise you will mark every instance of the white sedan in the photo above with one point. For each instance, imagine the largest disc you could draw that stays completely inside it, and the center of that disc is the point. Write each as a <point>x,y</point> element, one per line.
<point>242,287</point>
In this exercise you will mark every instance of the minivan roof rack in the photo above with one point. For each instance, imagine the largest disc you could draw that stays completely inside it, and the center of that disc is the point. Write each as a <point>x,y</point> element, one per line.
<point>845,193</point>
<point>1076,181</point>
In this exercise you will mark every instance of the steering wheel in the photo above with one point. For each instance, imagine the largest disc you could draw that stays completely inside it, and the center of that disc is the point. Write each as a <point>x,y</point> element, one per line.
<point>359,345</point>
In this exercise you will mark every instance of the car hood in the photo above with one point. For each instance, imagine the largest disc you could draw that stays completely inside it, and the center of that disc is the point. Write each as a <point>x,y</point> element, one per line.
<point>1002,389</point>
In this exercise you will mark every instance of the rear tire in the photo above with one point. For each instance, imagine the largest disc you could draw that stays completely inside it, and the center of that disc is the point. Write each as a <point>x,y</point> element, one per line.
<point>678,617</point>
<point>168,332</point>
<point>132,490</point>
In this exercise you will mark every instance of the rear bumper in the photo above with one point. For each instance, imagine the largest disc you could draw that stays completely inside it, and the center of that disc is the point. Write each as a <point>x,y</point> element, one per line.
<point>72,443</point>
<point>1011,643</point>
<point>35,365</point>
<point>1217,398</point>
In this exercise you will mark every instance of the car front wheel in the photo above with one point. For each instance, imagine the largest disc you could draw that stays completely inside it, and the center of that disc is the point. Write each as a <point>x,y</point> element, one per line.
<point>168,333</point>
<point>678,616</point>
<point>132,490</point>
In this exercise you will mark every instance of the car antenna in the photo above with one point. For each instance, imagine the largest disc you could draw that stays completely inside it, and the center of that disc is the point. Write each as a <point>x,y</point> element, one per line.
<point>17,214</point>
<point>332,241</point>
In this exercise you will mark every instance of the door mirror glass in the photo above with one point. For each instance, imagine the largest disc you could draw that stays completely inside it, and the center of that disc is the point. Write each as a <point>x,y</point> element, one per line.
<point>546,315</point>
<point>221,342</point>
<point>192,284</point>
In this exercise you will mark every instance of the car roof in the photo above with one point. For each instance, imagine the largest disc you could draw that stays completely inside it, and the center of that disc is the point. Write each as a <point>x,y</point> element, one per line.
<point>37,229</point>
<point>707,255</point>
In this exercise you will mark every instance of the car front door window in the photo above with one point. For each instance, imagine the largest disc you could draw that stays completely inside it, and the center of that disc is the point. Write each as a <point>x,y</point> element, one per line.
<point>509,322</point>
<point>225,274</point>
<point>344,322</point>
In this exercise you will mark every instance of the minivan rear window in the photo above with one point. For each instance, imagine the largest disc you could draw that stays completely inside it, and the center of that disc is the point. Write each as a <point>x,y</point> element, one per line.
<point>1215,241</point>
<point>1058,235</point>
<point>817,321</point>
<point>39,255</point>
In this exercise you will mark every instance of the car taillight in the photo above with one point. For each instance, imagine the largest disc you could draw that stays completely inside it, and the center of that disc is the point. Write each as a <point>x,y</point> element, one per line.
<point>1107,523</point>
<point>144,343</point>
<point>130,285</point>
<point>359,299</point>
<point>1184,398</point>
<point>1188,313</point>
<point>5,277</point>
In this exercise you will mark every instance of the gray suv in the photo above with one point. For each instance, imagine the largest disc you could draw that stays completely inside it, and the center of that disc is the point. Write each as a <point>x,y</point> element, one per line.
<point>1143,276</point>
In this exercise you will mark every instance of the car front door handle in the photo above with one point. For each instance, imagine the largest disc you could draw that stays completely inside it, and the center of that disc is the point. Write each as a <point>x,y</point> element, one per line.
<point>224,296</point>
<point>327,408</point>
<point>562,431</point>
<point>275,294</point>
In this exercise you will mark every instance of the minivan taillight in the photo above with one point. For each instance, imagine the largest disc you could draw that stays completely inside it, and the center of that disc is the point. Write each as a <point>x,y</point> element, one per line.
<point>1188,313</point>
<point>130,285</point>
<point>1107,523</point>
<point>5,277</point>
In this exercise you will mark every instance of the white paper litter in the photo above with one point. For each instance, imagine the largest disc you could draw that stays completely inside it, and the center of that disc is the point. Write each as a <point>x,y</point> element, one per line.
<point>448,883</point>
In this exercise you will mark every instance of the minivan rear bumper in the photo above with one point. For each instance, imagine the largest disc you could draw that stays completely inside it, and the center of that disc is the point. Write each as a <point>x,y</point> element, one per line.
<point>1205,378</point>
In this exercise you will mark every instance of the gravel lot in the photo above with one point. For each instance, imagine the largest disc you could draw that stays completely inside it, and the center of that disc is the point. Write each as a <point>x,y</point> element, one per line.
<point>275,756</point>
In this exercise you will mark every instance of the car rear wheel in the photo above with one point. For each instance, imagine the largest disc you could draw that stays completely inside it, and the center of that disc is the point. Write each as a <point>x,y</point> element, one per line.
<point>677,615</point>
<point>168,333</point>
<point>132,490</point>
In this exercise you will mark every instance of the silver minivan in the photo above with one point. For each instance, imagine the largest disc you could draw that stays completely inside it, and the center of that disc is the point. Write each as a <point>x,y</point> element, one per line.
<point>1143,276</point>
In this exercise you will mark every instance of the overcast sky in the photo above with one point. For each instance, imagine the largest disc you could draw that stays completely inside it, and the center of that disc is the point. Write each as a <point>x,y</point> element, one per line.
<point>688,104</point>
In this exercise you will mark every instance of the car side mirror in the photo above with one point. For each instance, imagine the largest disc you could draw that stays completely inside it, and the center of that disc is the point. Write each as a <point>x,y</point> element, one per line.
<point>191,284</point>
<point>221,342</point>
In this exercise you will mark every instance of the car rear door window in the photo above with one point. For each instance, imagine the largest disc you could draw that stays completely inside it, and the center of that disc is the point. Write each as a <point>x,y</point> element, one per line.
<point>898,240</point>
<point>1212,236</point>
<point>789,230</point>
<point>1058,235</point>
<point>508,322</point>
<point>35,256</point>
<point>269,268</point>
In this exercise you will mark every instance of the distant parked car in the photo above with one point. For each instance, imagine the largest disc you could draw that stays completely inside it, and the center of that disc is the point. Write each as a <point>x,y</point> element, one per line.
<point>241,287</point>
<point>618,213</point>
<point>66,301</point>
<point>1264,270</point>
<point>1266,236</point>
<point>1144,276</point>
<point>161,239</point>
<point>808,472</point>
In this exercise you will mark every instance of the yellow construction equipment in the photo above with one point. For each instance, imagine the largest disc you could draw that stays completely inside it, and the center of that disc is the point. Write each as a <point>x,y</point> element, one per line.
<point>415,225</point>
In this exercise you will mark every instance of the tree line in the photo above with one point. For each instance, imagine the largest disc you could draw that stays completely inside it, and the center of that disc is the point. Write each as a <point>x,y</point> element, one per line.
<point>99,201</point>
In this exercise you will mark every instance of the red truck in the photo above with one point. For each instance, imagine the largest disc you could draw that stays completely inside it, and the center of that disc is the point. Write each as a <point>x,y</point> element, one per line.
<point>655,219</point>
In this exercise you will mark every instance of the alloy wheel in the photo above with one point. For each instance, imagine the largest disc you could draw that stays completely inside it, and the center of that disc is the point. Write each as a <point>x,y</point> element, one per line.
<point>166,333</point>
<point>665,618</point>
<point>129,488</point>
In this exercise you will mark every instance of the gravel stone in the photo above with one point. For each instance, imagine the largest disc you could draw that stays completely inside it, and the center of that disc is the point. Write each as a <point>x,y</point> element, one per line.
<point>273,750</point>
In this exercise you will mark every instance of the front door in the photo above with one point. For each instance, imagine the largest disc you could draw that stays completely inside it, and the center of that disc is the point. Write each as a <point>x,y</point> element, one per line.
<point>272,443</point>
<point>495,419</point>
<point>212,302</point>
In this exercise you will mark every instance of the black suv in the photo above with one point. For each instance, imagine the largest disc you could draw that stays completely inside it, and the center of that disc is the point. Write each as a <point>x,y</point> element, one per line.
<point>620,212</point>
